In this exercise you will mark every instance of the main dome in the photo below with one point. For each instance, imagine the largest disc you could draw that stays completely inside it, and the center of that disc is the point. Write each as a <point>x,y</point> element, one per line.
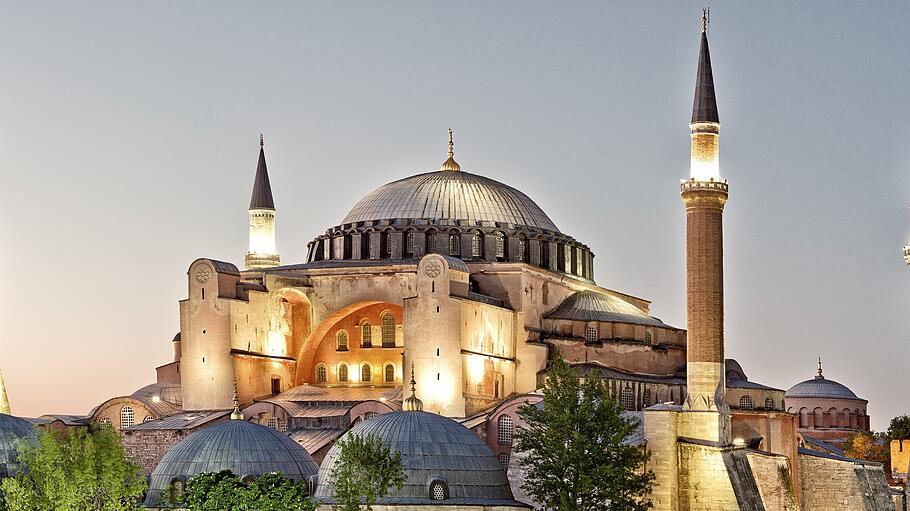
<point>450,195</point>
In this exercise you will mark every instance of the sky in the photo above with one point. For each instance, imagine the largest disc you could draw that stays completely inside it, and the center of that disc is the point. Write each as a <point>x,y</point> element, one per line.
<point>129,135</point>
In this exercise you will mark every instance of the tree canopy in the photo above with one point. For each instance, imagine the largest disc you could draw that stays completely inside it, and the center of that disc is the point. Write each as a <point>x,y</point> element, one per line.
<point>74,471</point>
<point>869,446</point>
<point>899,428</point>
<point>576,452</point>
<point>224,491</point>
<point>365,471</point>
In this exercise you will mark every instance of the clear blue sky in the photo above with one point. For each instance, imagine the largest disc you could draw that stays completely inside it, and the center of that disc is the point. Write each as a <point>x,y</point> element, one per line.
<point>129,134</point>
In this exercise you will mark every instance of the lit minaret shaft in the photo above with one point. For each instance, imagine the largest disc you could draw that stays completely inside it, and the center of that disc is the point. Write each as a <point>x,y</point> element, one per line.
<point>262,253</point>
<point>705,195</point>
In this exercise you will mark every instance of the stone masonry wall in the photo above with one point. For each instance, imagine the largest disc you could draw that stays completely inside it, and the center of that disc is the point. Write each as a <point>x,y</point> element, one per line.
<point>148,447</point>
<point>833,484</point>
<point>704,483</point>
<point>774,481</point>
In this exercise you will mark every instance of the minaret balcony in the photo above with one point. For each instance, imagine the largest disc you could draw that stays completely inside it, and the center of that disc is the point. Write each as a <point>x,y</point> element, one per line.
<point>716,185</point>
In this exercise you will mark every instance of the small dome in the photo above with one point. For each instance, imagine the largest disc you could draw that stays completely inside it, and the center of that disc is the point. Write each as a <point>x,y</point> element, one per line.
<point>593,306</point>
<point>820,387</point>
<point>244,448</point>
<point>452,195</point>
<point>434,449</point>
<point>13,431</point>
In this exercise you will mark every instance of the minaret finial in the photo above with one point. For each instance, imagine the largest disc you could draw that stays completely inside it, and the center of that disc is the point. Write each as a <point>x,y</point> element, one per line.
<point>450,164</point>
<point>819,375</point>
<point>236,415</point>
<point>705,18</point>
<point>261,140</point>
<point>412,403</point>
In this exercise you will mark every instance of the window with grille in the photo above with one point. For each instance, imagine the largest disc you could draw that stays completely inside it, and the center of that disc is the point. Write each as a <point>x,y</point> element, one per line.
<point>409,243</point>
<point>177,489</point>
<point>648,336</point>
<point>343,372</point>
<point>273,423</point>
<point>365,373</point>
<point>504,460</point>
<point>500,246</point>
<point>505,430</point>
<point>389,373</point>
<point>431,243</point>
<point>388,330</point>
<point>476,246</point>
<point>388,244</point>
<point>322,375</point>
<point>769,403</point>
<point>105,422</point>
<point>647,397</point>
<point>520,256</point>
<point>454,245</point>
<point>369,415</point>
<point>745,402</point>
<point>627,398</point>
<point>366,335</point>
<point>591,334</point>
<point>148,419</point>
<point>127,417</point>
<point>438,490</point>
<point>341,341</point>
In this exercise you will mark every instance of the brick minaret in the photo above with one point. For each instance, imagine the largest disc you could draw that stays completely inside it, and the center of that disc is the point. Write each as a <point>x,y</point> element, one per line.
<point>706,416</point>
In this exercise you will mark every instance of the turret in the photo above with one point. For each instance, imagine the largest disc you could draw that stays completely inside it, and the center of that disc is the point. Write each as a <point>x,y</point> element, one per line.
<point>262,252</point>
<point>704,195</point>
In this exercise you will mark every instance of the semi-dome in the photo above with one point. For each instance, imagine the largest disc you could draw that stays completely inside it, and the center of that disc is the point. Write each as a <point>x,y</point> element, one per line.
<point>445,462</point>
<point>450,195</point>
<point>13,431</point>
<point>594,306</point>
<point>244,448</point>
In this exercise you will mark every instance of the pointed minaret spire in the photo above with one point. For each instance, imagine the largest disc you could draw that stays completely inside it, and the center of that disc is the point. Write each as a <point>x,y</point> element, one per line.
<point>704,108</point>
<point>4,401</point>
<point>450,164</point>
<point>262,252</point>
<point>705,124</point>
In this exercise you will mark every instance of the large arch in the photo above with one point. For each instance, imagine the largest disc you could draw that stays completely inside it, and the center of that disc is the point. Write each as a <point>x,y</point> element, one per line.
<point>347,317</point>
<point>295,316</point>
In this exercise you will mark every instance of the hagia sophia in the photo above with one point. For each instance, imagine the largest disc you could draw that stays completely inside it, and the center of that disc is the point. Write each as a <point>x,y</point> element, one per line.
<point>429,315</point>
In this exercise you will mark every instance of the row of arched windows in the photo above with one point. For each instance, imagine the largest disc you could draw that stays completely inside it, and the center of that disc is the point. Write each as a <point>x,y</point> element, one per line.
<point>746,403</point>
<point>387,334</point>
<point>366,373</point>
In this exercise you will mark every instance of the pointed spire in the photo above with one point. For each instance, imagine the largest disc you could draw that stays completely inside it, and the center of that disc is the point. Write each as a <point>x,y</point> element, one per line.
<point>412,403</point>
<point>450,164</point>
<point>4,401</point>
<point>819,375</point>
<point>704,108</point>
<point>236,415</point>
<point>262,189</point>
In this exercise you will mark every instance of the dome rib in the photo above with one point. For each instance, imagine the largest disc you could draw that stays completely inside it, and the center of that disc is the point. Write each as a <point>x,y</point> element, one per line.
<point>450,195</point>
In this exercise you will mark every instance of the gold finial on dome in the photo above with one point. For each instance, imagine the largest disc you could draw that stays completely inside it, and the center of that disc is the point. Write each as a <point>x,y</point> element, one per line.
<point>450,164</point>
<point>412,403</point>
<point>236,415</point>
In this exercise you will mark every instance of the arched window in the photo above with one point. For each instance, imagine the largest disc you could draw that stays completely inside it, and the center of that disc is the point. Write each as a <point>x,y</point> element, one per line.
<point>322,374</point>
<point>177,489</point>
<point>500,246</point>
<point>520,248</point>
<point>648,336</point>
<point>437,490</point>
<point>769,403</point>
<point>454,245</point>
<point>627,398</point>
<point>148,419</point>
<point>505,429</point>
<point>366,374</point>
<point>388,244</point>
<point>409,243</point>
<point>646,397</point>
<point>431,243</point>
<point>366,335</point>
<point>591,334</point>
<point>273,423</point>
<point>105,422</point>
<point>504,460</point>
<point>343,372</point>
<point>389,373</point>
<point>745,402</point>
<point>127,417</point>
<point>388,330</point>
<point>476,246</point>
<point>803,418</point>
<point>369,415</point>
<point>341,341</point>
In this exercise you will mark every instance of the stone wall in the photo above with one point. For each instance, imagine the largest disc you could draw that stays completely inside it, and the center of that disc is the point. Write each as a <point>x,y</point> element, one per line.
<point>773,479</point>
<point>900,459</point>
<point>146,448</point>
<point>705,480</point>
<point>838,483</point>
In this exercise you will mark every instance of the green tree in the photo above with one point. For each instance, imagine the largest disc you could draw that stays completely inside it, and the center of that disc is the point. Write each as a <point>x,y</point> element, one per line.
<point>869,446</point>
<point>364,472</point>
<point>899,428</point>
<point>224,491</point>
<point>74,471</point>
<point>577,455</point>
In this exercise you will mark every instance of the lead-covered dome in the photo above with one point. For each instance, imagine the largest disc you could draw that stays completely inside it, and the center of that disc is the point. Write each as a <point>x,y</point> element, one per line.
<point>450,195</point>
<point>13,431</point>
<point>445,462</point>
<point>244,448</point>
<point>820,387</point>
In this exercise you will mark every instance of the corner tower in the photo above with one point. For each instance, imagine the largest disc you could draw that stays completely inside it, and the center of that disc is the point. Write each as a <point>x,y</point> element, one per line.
<point>707,416</point>
<point>262,252</point>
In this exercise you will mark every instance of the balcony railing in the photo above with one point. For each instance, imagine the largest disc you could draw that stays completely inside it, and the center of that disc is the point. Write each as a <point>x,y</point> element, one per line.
<point>692,184</point>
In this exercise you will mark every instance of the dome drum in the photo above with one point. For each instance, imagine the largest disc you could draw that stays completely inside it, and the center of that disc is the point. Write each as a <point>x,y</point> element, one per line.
<point>411,239</point>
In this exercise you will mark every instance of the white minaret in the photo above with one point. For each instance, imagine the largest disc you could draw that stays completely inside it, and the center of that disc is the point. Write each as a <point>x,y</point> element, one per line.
<point>262,253</point>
